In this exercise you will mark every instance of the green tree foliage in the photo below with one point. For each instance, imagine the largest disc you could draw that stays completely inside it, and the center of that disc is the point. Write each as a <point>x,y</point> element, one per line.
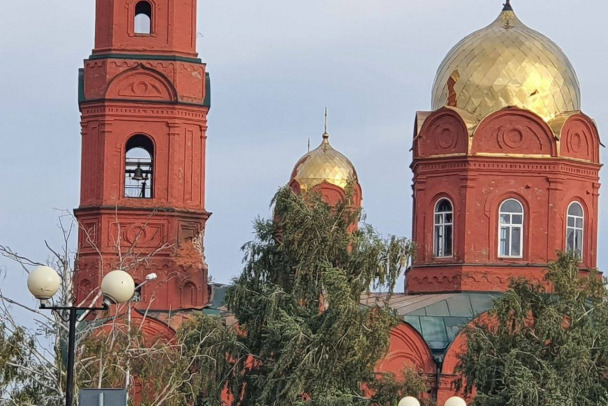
<point>207,343</point>
<point>32,365</point>
<point>298,306</point>
<point>540,348</point>
<point>23,380</point>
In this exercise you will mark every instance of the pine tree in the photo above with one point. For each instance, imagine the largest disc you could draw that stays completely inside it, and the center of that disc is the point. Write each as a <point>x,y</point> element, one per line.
<point>542,348</point>
<point>298,304</point>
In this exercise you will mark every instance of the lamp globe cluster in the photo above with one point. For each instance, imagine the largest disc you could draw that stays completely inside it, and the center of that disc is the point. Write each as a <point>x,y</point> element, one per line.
<point>117,286</point>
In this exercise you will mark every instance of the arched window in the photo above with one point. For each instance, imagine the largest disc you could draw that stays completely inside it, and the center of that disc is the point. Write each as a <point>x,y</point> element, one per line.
<point>444,220</point>
<point>143,18</point>
<point>510,235</point>
<point>139,179</point>
<point>189,295</point>
<point>575,229</point>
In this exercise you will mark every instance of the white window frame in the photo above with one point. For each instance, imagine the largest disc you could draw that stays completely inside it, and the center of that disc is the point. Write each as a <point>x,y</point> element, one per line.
<point>509,228</point>
<point>438,252</point>
<point>574,228</point>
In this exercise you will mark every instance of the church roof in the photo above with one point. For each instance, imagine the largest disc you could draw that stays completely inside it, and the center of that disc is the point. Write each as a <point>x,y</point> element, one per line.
<point>323,164</point>
<point>507,64</point>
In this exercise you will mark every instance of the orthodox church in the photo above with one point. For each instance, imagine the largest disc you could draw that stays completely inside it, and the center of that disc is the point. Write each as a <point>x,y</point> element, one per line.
<point>506,172</point>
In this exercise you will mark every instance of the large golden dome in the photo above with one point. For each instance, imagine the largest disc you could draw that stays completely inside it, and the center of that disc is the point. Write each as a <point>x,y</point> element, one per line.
<point>323,164</point>
<point>507,64</point>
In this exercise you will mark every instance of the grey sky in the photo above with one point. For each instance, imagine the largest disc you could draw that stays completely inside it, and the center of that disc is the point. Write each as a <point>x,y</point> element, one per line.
<point>274,66</point>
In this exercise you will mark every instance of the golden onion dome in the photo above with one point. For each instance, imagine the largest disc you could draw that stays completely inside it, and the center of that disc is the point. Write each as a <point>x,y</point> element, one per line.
<point>507,64</point>
<point>323,164</point>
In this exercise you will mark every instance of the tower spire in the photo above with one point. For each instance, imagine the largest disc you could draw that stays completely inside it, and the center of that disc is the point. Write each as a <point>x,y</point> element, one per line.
<point>325,134</point>
<point>507,6</point>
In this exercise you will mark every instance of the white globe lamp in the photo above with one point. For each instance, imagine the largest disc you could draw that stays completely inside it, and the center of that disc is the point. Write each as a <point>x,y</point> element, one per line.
<point>455,401</point>
<point>117,287</point>
<point>409,401</point>
<point>43,282</point>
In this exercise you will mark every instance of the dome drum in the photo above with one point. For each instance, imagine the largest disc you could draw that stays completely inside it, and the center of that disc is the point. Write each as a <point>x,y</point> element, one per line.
<point>509,132</point>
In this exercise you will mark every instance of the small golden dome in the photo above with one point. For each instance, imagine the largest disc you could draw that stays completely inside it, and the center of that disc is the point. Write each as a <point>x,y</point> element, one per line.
<point>323,164</point>
<point>507,64</point>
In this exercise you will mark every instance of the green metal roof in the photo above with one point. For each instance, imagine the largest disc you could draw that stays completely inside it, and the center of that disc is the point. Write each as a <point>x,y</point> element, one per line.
<point>438,317</point>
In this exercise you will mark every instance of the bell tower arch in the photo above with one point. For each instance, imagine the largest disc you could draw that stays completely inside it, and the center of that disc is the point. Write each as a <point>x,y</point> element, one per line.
<point>144,98</point>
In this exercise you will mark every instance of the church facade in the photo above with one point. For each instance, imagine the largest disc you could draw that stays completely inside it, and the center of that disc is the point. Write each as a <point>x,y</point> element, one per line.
<point>506,172</point>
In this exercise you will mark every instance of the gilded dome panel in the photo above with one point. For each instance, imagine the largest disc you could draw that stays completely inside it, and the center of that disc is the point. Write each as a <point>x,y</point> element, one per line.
<point>507,64</point>
<point>323,164</point>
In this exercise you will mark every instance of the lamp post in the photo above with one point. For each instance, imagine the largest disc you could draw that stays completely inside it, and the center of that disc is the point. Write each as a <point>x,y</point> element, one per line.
<point>43,282</point>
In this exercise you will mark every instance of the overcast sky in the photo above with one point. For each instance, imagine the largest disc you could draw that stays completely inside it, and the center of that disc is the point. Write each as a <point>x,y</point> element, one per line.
<point>274,66</point>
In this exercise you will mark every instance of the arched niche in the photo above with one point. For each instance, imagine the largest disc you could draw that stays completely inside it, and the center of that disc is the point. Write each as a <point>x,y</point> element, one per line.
<point>443,133</point>
<point>189,295</point>
<point>579,139</point>
<point>407,348</point>
<point>141,83</point>
<point>333,194</point>
<point>513,131</point>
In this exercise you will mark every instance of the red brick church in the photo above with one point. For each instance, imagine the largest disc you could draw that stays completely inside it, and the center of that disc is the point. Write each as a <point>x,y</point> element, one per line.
<point>505,173</point>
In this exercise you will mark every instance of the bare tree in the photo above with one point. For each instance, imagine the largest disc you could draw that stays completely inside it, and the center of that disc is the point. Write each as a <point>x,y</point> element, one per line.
<point>112,352</point>
<point>33,352</point>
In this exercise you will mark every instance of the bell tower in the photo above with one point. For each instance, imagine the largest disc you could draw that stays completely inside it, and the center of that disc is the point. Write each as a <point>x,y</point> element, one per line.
<point>144,98</point>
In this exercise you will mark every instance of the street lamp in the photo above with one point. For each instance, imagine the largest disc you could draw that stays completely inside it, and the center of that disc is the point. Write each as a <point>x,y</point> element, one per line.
<point>43,282</point>
<point>409,401</point>
<point>455,401</point>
